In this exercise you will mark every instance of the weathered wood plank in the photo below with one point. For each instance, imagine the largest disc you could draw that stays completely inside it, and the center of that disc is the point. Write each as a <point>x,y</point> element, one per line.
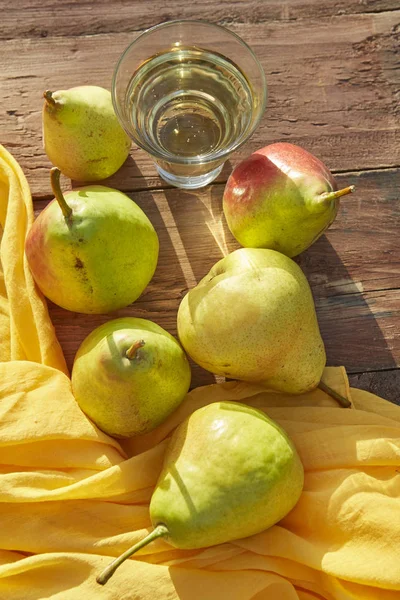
<point>360,331</point>
<point>347,268</point>
<point>77,17</point>
<point>382,383</point>
<point>359,253</point>
<point>332,89</point>
<point>361,250</point>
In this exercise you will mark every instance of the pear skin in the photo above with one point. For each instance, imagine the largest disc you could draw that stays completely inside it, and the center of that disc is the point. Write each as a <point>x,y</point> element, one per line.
<point>229,472</point>
<point>129,375</point>
<point>92,250</point>
<point>248,482</point>
<point>81,133</point>
<point>282,198</point>
<point>253,318</point>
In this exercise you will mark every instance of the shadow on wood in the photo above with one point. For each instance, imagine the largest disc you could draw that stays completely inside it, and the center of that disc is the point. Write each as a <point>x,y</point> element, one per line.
<point>202,228</point>
<point>347,317</point>
<point>357,320</point>
<point>129,171</point>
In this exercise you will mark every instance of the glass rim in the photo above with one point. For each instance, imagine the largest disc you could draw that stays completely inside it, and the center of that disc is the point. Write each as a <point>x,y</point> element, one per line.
<point>190,160</point>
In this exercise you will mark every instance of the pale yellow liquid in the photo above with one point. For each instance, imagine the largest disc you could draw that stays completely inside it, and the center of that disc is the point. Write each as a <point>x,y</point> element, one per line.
<point>187,103</point>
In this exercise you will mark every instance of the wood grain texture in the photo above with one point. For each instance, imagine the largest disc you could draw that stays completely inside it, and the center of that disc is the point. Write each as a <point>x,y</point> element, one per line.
<point>382,383</point>
<point>332,89</point>
<point>332,72</point>
<point>78,17</point>
<point>353,281</point>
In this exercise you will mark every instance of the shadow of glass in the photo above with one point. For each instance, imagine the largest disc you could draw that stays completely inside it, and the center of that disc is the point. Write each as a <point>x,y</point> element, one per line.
<point>194,235</point>
<point>128,177</point>
<point>202,227</point>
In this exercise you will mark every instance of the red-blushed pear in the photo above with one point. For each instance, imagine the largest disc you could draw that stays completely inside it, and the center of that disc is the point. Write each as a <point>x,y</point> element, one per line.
<point>282,198</point>
<point>92,250</point>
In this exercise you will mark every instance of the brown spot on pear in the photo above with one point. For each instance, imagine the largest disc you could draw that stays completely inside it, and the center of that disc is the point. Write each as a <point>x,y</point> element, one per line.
<point>93,250</point>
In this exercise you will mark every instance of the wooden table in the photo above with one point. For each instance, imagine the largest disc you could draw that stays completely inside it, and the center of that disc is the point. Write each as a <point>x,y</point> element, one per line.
<point>333,89</point>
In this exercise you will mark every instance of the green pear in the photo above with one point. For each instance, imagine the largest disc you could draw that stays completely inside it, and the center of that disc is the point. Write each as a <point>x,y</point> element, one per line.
<point>92,250</point>
<point>253,318</point>
<point>282,198</point>
<point>229,472</point>
<point>81,133</point>
<point>129,375</point>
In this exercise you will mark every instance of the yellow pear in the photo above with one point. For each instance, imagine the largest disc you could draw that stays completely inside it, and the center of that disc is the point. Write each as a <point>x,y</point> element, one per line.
<point>129,375</point>
<point>253,318</point>
<point>229,472</point>
<point>81,133</point>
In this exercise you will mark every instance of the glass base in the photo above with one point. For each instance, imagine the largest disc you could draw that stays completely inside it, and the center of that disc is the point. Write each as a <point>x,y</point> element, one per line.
<point>189,183</point>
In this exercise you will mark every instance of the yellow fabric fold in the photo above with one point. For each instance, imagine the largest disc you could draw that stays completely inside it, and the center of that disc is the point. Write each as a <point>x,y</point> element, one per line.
<point>71,497</point>
<point>26,332</point>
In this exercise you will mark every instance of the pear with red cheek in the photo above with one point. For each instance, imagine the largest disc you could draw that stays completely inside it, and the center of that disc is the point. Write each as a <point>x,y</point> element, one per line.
<point>282,198</point>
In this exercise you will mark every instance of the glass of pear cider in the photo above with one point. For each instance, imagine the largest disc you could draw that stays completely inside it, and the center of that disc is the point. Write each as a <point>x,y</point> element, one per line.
<point>189,93</point>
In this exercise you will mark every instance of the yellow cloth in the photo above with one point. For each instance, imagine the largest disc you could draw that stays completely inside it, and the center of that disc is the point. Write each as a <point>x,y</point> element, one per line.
<point>26,332</point>
<point>71,498</point>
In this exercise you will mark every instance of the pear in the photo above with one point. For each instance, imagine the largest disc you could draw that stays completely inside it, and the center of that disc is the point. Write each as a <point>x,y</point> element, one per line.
<point>92,251</point>
<point>129,375</point>
<point>253,318</point>
<point>229,472</point>
<point>81,133</point>
<point>282,198</point>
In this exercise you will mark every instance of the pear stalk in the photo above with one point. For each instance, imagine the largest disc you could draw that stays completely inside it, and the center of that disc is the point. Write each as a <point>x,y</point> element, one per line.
<point>159,531</point>
<point>131,352</point>
<point>48,96</point>
<point>55,185</point>
<point>337,194</point>
<point>335,395</point>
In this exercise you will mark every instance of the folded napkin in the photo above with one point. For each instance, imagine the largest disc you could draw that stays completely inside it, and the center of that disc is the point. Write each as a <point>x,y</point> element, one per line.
<point>71,497</point>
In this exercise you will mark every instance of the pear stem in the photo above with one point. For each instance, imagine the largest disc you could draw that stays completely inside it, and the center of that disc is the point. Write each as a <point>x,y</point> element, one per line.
<point>335,395</point>
<point>55,184</point>
<point>48,96</point>
<point>131,352</point>
<point>159,531</point>
<point>337,193</point>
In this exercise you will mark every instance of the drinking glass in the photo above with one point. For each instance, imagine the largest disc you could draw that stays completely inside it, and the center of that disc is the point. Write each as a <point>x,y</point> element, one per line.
<point>189,93</point>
